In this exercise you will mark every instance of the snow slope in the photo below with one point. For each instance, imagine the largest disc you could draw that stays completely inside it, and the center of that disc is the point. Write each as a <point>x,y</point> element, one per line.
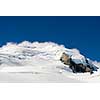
<point>39,62</point>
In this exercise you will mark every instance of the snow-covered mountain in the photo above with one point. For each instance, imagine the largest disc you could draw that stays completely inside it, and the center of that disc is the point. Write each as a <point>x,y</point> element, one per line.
<point>40,62</point>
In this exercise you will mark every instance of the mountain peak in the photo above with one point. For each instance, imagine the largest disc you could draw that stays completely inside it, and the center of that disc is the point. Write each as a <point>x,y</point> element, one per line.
<point>19,54</point>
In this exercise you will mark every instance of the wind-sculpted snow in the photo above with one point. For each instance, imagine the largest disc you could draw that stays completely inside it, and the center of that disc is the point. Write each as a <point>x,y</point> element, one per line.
<point>47,50</point>
<point>41,58</point>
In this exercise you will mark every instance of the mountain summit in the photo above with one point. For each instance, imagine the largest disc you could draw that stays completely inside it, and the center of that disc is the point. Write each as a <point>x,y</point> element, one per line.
<point>18,54</point>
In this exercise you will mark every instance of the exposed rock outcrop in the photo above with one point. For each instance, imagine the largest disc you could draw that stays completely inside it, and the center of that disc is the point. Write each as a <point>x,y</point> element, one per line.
<point>88,67</point>
<point>65,59</point>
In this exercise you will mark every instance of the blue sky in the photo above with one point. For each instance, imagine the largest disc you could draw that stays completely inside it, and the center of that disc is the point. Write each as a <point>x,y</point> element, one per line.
<point>82,33</point>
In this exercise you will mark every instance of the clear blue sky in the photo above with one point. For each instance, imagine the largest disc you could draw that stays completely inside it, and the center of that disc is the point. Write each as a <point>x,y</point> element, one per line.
<point>82,33</point>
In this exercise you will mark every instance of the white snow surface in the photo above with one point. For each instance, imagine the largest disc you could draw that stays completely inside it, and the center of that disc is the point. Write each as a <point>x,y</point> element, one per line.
<point>39,62</point>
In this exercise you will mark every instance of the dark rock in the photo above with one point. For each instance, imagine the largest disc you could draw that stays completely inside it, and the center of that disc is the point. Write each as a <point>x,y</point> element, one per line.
<point>78,68</point>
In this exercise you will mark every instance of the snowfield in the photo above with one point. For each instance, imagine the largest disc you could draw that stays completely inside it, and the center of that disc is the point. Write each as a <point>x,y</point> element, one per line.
<point>39,62</point>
